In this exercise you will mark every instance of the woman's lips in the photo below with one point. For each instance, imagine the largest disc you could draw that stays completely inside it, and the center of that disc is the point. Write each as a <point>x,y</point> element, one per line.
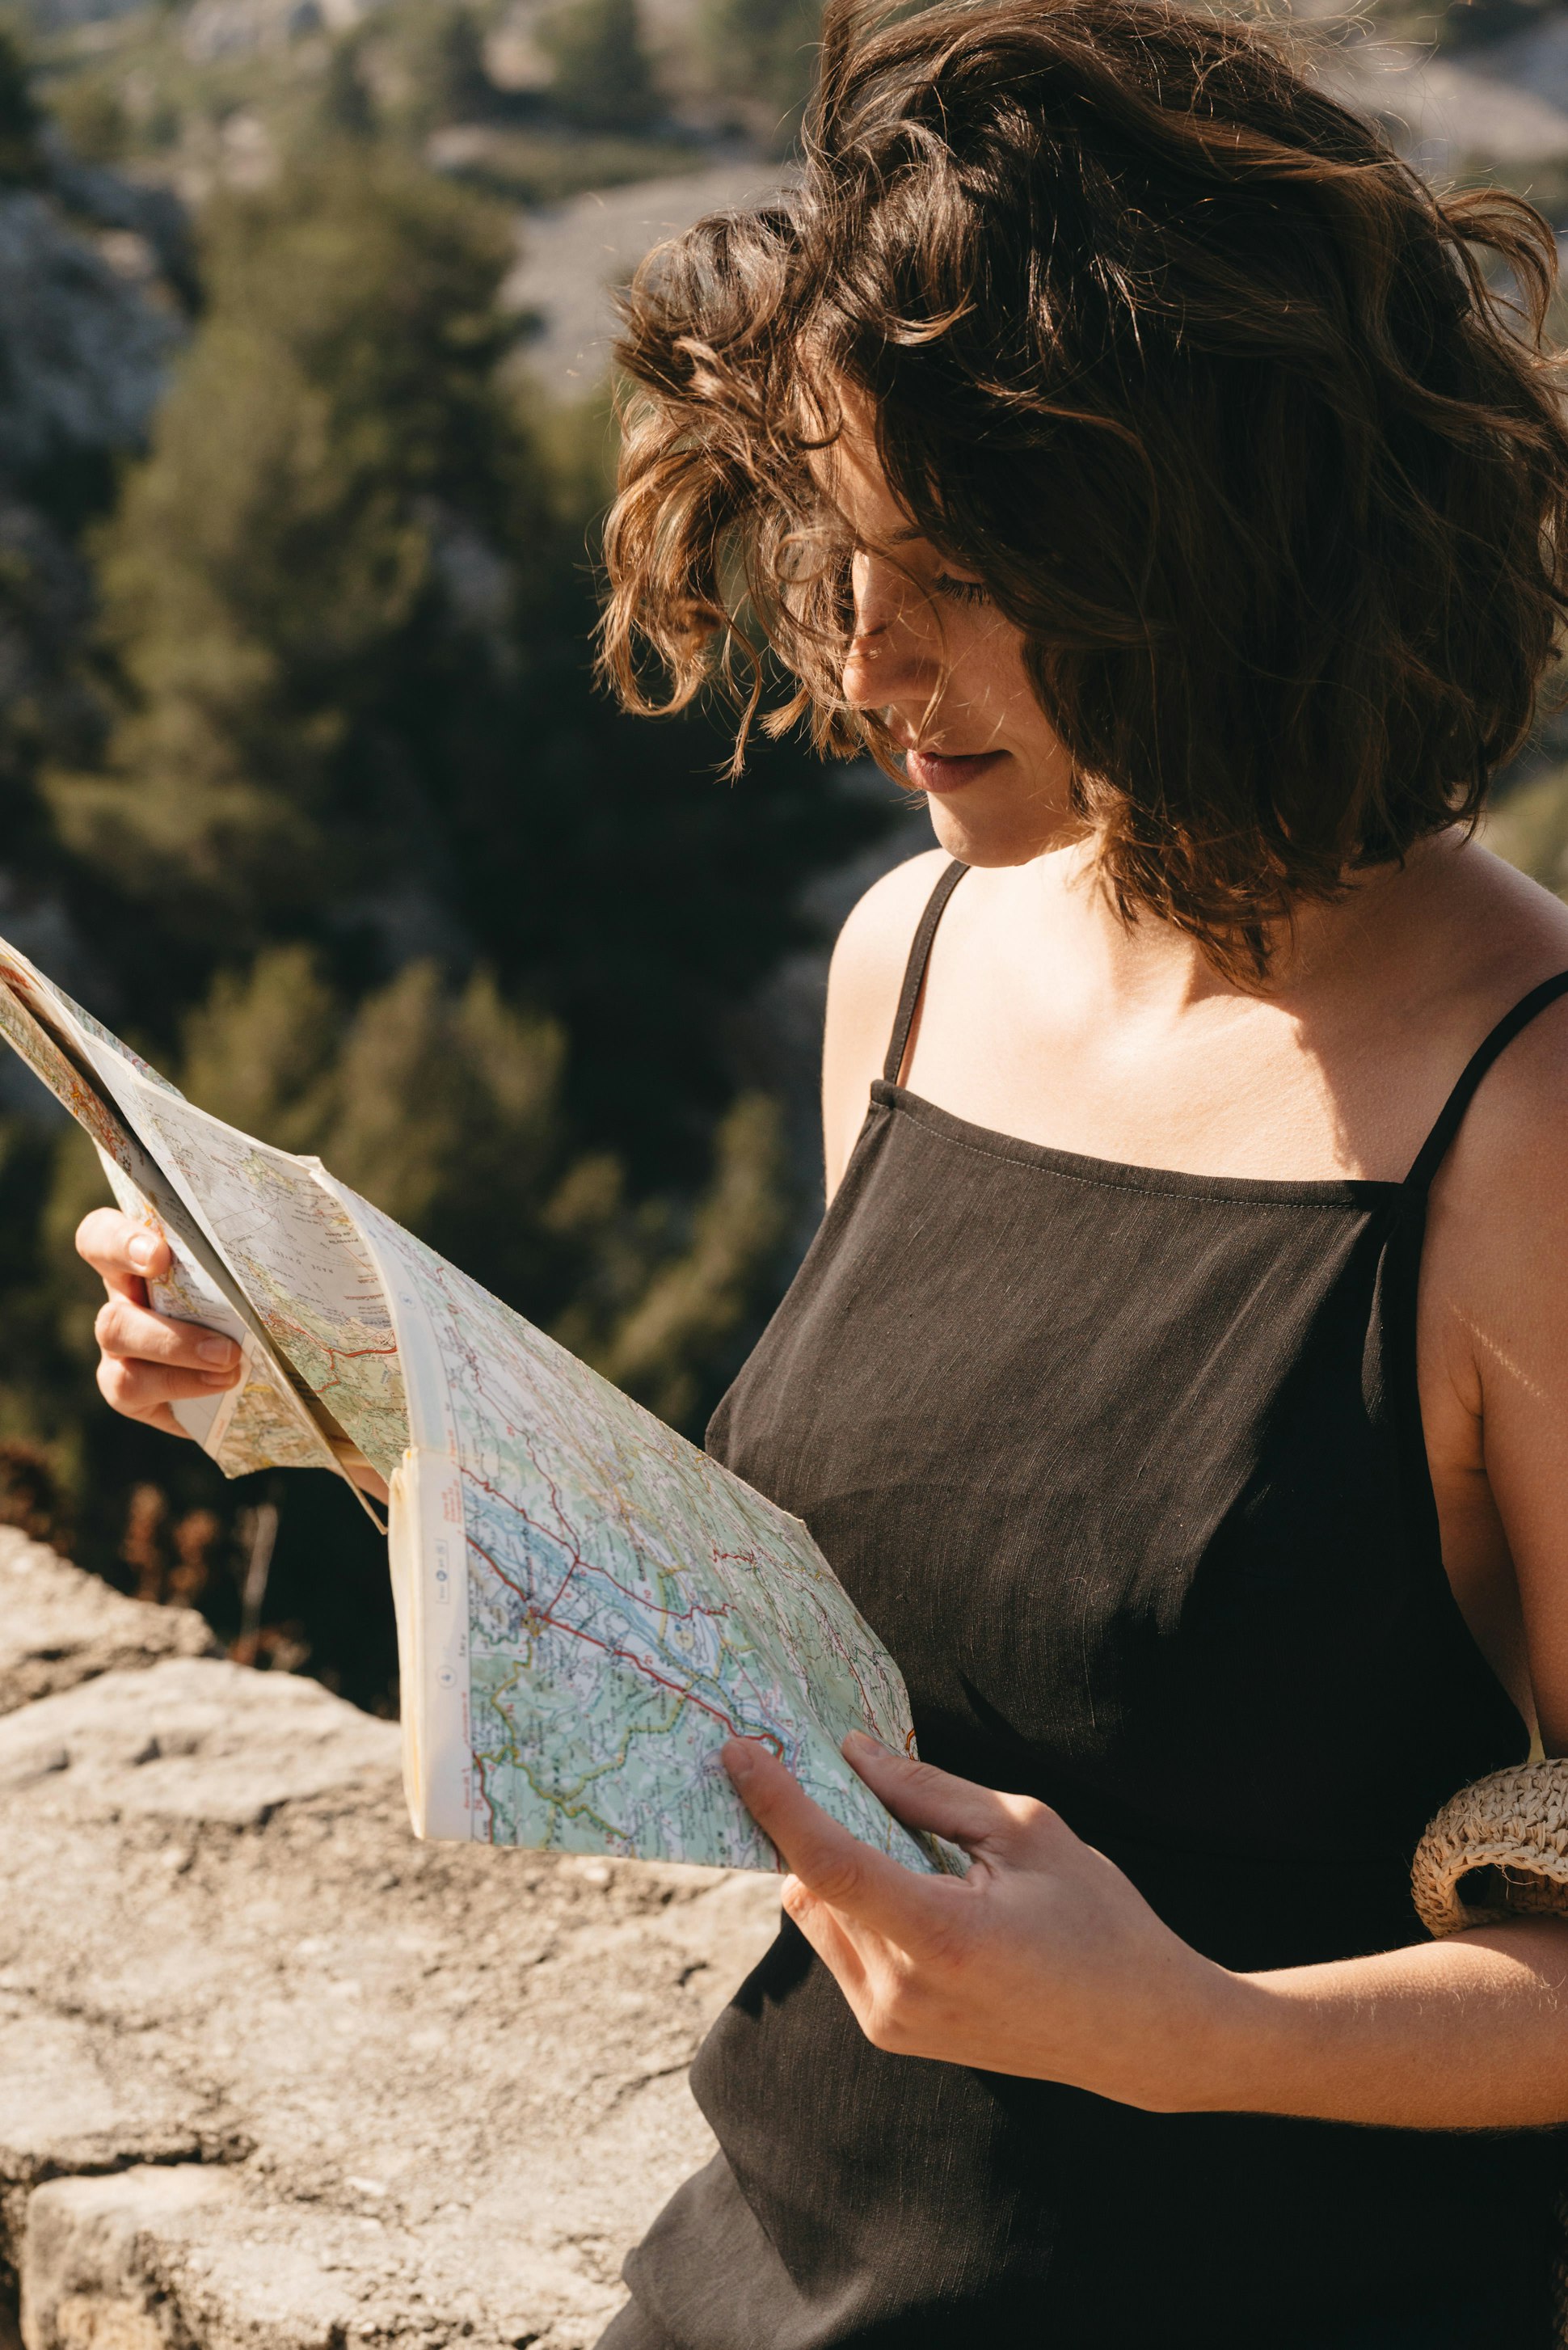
<point>947,771</point>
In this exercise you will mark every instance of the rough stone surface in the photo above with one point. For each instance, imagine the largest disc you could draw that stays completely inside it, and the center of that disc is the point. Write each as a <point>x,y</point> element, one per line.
<point>59,1626</point>
<point>273,2076</point>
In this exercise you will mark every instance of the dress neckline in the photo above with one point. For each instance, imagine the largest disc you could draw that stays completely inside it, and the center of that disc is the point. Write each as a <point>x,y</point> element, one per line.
<point>1343,1192</point>
<point>1073,1166</point>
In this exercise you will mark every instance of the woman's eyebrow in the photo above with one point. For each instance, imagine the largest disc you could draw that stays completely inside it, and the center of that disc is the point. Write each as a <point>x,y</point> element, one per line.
<point>889,538</point>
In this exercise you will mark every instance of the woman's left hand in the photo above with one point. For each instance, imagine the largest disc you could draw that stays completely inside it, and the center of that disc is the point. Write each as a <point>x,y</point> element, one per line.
<point>1044,1961</point>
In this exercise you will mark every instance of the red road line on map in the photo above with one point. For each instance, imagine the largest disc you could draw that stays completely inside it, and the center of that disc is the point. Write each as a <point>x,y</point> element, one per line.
<point>567,1540</point>
<point>568,1544</point>
<point>480,1766</point>
<point>572,1631</point>
<point>335,1354</point>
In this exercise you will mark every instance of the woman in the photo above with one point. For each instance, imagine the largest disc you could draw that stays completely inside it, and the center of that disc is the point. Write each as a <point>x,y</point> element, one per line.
<point>1115,438</point>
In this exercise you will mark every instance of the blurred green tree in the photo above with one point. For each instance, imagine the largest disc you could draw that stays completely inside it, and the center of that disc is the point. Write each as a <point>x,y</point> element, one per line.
<point>1473,24</point>
<point>377,872</point>
<point>443,1105</point>
<point>763,53</point>
<point>275,560</point>
<point>602,80</point>
<point>20,163</point>
<point>91,112</point>
<point>347,108</point>
<point>1528,824</point>
<point>458,77</point>
<point>346,604</point>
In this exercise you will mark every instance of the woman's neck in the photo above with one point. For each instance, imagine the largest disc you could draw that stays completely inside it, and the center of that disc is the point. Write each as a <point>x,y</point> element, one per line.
<point>1145,967</point>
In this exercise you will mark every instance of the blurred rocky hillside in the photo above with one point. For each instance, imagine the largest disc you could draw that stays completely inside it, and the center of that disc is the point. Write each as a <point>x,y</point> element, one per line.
<point>305,784</point>
<point>533,98</point>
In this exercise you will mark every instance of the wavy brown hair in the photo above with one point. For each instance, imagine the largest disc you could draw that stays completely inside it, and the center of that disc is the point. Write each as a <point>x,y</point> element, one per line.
<point>1252,435</point>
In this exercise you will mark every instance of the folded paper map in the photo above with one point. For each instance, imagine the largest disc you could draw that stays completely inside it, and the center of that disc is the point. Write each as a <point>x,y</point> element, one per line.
<point>588,1606</point>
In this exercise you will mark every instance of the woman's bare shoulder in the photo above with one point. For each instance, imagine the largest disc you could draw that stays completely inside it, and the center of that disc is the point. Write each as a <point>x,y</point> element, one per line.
<point>873,947</point>
<point>863,983</point>
<point>1500,1226</point>
<point>1511,1146</point>
<point>1496,936</point>
<point>1495,1275</point>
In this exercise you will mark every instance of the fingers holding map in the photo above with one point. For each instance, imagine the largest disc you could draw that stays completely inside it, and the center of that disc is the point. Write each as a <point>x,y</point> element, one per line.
<point>263,1422</point>
<point>588,1606</point>
<point>297,1258</point>
<point>174,1167</point>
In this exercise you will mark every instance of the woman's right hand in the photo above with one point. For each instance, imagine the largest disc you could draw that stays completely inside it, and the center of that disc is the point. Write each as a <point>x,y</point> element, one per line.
<point>147,1361</point>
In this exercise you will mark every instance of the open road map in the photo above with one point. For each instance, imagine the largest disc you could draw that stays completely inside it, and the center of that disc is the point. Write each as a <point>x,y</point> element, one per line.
<point>588,1606</point>
<point>604,1606</point>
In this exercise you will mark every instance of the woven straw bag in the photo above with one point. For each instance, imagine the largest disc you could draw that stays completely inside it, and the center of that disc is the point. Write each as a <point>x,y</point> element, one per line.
<point>1495,1851</point>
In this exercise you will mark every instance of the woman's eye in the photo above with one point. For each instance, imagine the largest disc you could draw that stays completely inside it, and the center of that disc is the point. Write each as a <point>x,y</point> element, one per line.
<point>960,591</point>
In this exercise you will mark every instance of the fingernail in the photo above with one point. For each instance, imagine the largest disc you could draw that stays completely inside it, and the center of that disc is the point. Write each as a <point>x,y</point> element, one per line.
<point>217,1378</point>
<point>217,1351</point>
<point>737,1757</point>
<point>861,1741</point>
<point>142,1250</point>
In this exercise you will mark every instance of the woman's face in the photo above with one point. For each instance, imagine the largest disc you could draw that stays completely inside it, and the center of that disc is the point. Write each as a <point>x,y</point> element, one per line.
<point>945,670</point>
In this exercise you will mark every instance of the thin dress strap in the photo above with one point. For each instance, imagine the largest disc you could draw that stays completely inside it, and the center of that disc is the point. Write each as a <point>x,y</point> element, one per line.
<point>914,970</point>
<point>1430,1156</point>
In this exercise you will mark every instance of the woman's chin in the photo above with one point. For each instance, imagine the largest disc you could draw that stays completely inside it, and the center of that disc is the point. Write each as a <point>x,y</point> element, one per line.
<point>977,832</point>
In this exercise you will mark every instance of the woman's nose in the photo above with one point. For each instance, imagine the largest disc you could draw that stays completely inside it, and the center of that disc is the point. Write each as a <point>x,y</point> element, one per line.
<point>890,653</point>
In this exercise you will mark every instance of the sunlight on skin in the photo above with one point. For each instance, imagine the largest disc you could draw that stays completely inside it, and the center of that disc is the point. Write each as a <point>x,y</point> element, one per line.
<point>1045,1963</point>
<point>945,667</point>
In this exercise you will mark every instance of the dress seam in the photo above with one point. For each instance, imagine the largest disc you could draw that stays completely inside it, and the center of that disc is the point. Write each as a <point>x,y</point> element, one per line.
<point>1165,1190</point>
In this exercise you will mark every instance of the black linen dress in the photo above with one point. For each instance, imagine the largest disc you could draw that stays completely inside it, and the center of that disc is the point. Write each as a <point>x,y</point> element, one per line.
<point>1126,1469</point>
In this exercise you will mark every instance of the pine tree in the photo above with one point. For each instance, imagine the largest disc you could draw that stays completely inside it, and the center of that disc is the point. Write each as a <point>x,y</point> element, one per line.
<point>346,617</point>
<point>347,108</point>
<point>603,81</point>
<point>277,562</point>
<point>20,161</point>
<point>763,53</point>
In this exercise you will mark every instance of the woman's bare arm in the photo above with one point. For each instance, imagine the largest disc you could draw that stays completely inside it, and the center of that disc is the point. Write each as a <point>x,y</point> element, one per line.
<point>1494,1347</point>
<point>1045,1961</point>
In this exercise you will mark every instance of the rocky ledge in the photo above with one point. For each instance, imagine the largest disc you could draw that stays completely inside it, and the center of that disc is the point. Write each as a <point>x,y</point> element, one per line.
<point>274,2076</point>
